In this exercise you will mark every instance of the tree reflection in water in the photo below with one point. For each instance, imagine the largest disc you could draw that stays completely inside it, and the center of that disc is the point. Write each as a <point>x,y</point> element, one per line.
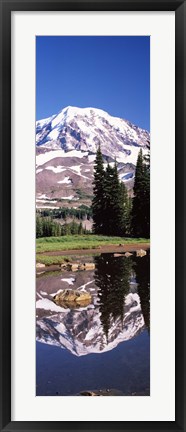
<point>142,271</point>
<point>113,277</point>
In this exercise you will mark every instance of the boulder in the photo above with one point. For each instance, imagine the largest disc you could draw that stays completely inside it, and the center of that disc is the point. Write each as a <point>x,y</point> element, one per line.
<point>81,267</point>
<point>64,266</point>
<point>101,392</point>
<point>86,266</point>
<point>72,298</point>
<point>73,267</point>
<point>127,254</point>
<point>141,253</point>
<point>117,255</point>
<point>40,265</point>
<point>89,266</point>
<point>88,393</point>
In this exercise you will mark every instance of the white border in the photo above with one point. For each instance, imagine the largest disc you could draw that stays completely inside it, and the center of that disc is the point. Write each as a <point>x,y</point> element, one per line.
<point>161,404</point>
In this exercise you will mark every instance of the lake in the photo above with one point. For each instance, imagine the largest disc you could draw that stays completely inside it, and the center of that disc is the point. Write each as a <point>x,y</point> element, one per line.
<point>104,346</point>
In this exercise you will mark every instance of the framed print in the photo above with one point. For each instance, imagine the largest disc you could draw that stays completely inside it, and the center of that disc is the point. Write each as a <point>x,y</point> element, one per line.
<point>92,215</point>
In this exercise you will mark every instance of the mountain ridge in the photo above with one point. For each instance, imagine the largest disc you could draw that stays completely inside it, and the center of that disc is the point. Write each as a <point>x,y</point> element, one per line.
<point>66,145</point>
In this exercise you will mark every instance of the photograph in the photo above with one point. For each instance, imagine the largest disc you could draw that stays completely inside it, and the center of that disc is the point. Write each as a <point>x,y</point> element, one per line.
<point>92,213</point>
<point>92,161</point>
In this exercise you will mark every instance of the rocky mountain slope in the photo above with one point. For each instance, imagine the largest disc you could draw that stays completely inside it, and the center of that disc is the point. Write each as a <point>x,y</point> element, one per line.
<point>66,145</point>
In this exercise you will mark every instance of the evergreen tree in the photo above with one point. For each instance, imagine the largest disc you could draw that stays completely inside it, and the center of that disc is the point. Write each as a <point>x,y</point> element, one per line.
<point>147,197</point>
<point>119,195</point>
<point>129,215</point>
<point>114,208</point>
<point>125,212</point>
<point>39,227</point>
<point>141,200</point>
<point>111,206</point>
<point>80,228</point>
<point>137,209</point>
<point>108,201</point>
<point>98,189</point>
<point>74,227</point>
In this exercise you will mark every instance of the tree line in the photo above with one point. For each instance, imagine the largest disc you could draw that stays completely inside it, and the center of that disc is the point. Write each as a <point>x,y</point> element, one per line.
<point>114,211</point>
<point>82,212</point>
<point>47,227</point>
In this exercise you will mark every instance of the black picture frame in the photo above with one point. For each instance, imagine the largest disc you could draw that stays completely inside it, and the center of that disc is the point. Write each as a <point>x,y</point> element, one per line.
<point>6,7</point>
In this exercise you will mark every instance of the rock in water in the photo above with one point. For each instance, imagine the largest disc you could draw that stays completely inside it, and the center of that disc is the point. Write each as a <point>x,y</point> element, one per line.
<point>72,298</point>
<point>102,392</point>
<point>89,266</point>
<point>82,266</point>
<point>141,253</point>
<point>40,266</point>
<point>74,267</point>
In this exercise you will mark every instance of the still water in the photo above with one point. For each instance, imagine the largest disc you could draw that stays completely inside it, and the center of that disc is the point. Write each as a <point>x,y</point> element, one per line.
<point>103,346</point>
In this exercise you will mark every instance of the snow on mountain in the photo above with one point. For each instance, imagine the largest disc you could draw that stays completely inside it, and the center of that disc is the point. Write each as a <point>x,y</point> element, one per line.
<point>81,331</point>
<point>66,144</point>
<point>84,128</point>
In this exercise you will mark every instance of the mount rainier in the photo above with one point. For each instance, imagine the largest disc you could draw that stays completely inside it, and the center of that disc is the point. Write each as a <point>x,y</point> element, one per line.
<point>66,145</point>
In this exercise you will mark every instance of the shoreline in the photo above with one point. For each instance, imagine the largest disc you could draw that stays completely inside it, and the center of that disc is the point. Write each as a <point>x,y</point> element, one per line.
<point>102,249</point>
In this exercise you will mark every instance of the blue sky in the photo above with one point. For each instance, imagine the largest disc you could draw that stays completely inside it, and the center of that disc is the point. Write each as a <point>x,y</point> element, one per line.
<point>107,72</point>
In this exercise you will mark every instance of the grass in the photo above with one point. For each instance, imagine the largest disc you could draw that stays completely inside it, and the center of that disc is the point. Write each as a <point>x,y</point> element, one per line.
<point>71,242</point>
<point>51,260</point>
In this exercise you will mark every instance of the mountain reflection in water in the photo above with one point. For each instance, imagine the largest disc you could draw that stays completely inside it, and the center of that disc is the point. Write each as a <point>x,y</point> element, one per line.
<point>120,308</point>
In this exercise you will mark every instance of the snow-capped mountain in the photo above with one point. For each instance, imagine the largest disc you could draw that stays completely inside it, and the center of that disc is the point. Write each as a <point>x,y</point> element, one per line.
<point>66,144</point>
<point>84,128</point>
